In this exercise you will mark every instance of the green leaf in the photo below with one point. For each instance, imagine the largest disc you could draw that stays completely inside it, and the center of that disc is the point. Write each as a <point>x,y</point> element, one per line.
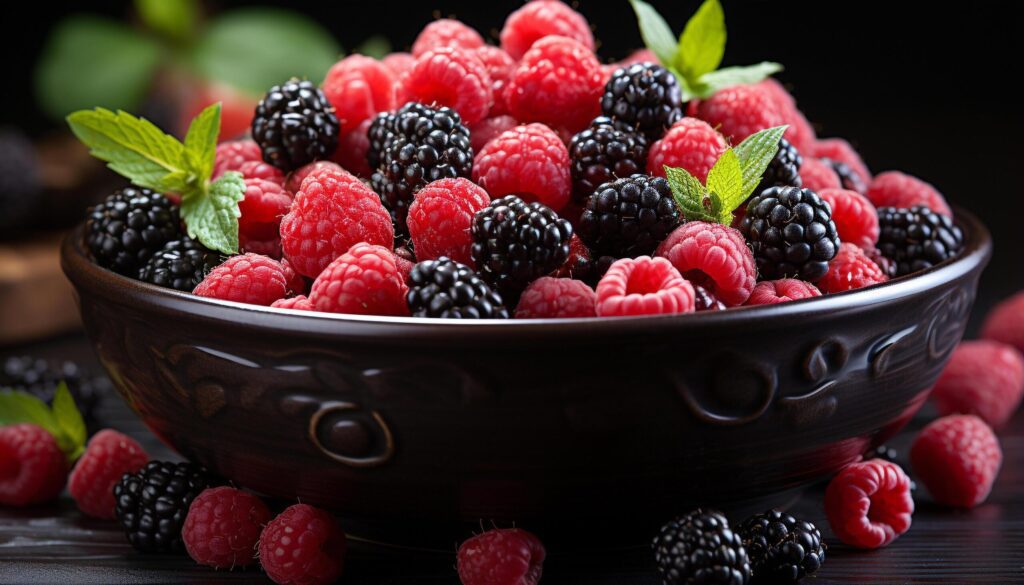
<point>730,76</point>
<point>755,153</point>
<point>69,421</point>
<point>655,31</point>
<point>89,62</point>
<point>725,180</point>
<point>376,46</point>
<point>702,44</point>
<point>212,216</point>
<point>201,141</point>
<point>21,407</point>
<point>63,422</point>
<point>690,195</point>
<point>175,19</point>
<point>253,49</point>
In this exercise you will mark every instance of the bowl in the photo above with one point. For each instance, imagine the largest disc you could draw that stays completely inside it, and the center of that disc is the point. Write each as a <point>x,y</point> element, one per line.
<point>616,422</point>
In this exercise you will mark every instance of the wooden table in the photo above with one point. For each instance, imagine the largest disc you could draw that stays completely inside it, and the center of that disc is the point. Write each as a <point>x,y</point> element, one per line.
<point>56,544</point>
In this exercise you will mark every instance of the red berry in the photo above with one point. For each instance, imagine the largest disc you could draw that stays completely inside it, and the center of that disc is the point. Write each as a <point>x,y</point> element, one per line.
<point>855,217</point>
<point>489,128</point>
<point>32,467</point>
<point>499,67</point>
<point>503,556</point>
<point>689,144</point>
<point>359,87</point>
<point>530,161</point>
<point>543,18</point>
<point>264,202</point>
<point>441,216</point>
<point>352,149</point>
<point>303,546</point>
<point>643,286</point>
<point>741,110</point>
<point>800,132</point>
<point>818,176</point>
<point>713,256</point>
<point>398,63</point>
<point>108,456</point>
<point>1005,322</point>
<point>248,278</point>
<point>896,189</point>
<point>231,155</point>
<point>257,169</point>
<point>772,292</point>
<point>451,77</point>
<point>446,32</point>
<point>850,269</point>
<point>365,280</point>
<point>294,181</point>
<point>235,113</point>
<point>295,283</point>
<point>260,238</point>
<point>869,504</point>
<point>984,378</point>
<point>840,150</point>
<point>332,212</point>
<point>957,458</point>
<point>223,527</point>
<point>299,303</point>
<point>556,298</point>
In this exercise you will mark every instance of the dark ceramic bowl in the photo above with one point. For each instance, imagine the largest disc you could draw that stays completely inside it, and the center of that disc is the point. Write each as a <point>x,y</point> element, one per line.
<point>624,420</point>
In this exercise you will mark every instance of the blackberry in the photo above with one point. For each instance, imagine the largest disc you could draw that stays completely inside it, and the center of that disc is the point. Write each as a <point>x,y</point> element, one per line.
<point>602,153</point>
<point>131,225</point>
<point>294,125</point>
<point>629,217</point>
<point>645,97</point>
<point>180,264</point>
<point>791,233</point>
<point>699,548</point>
<point>380,131</point>
<point>447,289</point>
<point>847,177</point>
<point>705,301</point>
<point>784,169</point>
<point>425,144</point>
<point>887,265</point>
<point>20,181</point>
<point>782,549</point>
<point>151,505</point>
<point>514,243</point>
<point>40,378</point>
<point>917,238</point>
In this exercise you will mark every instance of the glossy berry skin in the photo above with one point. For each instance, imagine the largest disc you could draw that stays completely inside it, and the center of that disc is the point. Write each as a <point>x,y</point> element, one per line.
<point>700,548</point>
<point>131,225</point>
<point>643,96</point>
<point>223,526</point>
<point>180,264</point>
<point>502,556</point>
<point>108,456</point>
<point>446,289</point>
<point>869,503</point>
<point>781,548</point>
<point>295,125</point>
<point>33,469</point>
<point>917,238</point>
<point>957,458</point>
<point>629,217</point>
<point>791,233</point>
<point>784,168</point>
<point>605,151</point>
<point>303,546</point>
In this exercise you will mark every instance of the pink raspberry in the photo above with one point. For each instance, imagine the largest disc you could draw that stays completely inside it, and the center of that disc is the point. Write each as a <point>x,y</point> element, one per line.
<point>398,63</point>
<point>772,292</point>
<point>295,178</point>
<point>231,155</point>
<point>265,201</point>
<point>713,256</point>
<point>869,503</point>
<point>487,129</point>
<point>108,456</point>
<point>303,546</point>
<point>840,150</point>
<point>33,469</point>
<point>957,458</point>
<point>352,149</point>
<point>332,212</point>
<point>223,526</point>
<point>451,77</point>
<point>800,133</point>
<point>855,217</point>
<point>643,286</point>
<point>558,82</point>
<point>499,67</point>
<point>983,378</point>
<point>849,270</point>
<point>359,87</point>
<point>689,144</point>
<point>502,556</point>
<point>247,278</point>
<point>818,176</point>
<point>441,216</point>
<point>1005,322</point>
<point>556,298</point>
<point>638,56</point>
<point>896,189</point>
<point>530,161</point>
<point>299,303</point>
<point>365,280</point>
<point>739,111</point>
<point>542,18</point>
<point>257,169</point>
<point>446,32</point>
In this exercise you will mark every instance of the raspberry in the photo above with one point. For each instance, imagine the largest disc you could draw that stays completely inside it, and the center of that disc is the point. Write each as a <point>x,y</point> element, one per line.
<point>294,125</point>
<point>294,181</point>
<point>302,546</point>
<point>294,281</point>
<point>1005,322</point>
<point>984,378</point>
<point>771,292</point>
<point>446,32</point>
<point>957,458</point>
<point>530,161</point>
<point>223,527</point>
<point>818,176</point>
<point>352,150</point>
<point>869,503</point>
<point>643,286</point>
<point>231,155</point>
<point>332,211</point>
<point>359,87</point>
<point>645,97</point>
<point>107,458</point>
<point>690,144</point>
<point>855,217</point>
<point>739,111</point>
<point>299,303</point>
<point>896,189</point>
<point>499,66</point>
<point>605,151</point>
<point>451,77</point>
<point>441,218</point>
<point>713,256</point>
<point>363,281</point>
<point>488,129</point>
<point>849,270</point>
<point>543,18</point>
<point>791,233</point>
<point>800,133</point>
<point>558,82</point>
<point>503,556</point>
<point>260,238</point>
<point>257,169</point>
<point>838,150</point>
<point>629,217</point>
<point>264,202</point>
<point>556,298</point>
<point>398,63</point>
<point>32,467</point>
<point>248,278</point>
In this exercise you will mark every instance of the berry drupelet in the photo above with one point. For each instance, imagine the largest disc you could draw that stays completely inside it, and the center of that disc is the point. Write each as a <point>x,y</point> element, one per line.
<point>784,169</point>
<point>447,289</point>
<point>643,96</point>
<point>602,153</point>
<point>782,549</point>
<point>917,238</point>
<point>180,264</point>
<point>381,130</point>
<point>791,233</point>
<point>700,548</point>
<point>294,125</point>
<point>131,225</point>
<point>629,217</point>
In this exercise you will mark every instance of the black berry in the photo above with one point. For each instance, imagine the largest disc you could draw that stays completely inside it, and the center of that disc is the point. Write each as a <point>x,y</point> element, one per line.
<point>784,169</point>
<point>602,153</point>
<point>131,225</point>
<point>917,238</point>
<point>782,549</point>
<point>703,300</point>
<point>180,264</point>
<point>699,548</point>
<point>847,177</point>
<point>447,289</point>
<point>629,217</point>
<point>643,96</point>
<point>380,131</point>
<point>295,125</point>
<point>791,233</point>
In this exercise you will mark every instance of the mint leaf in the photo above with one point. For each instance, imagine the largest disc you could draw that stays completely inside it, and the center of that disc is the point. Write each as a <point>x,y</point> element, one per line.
<point>729,76</point>
<point>702,44</point>
<point>689,194</point>
<point>725,180</point>
<point>172,18</point>
<point>755,153</point>
<point>20,407</point>
<point>376,46</point>
<point>212,216</point>
<point>655,31</point>
<point>69,421</point>
<point>201,141</point>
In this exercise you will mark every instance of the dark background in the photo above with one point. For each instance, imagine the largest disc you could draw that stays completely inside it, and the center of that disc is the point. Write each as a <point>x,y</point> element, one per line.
<point>916,87</point>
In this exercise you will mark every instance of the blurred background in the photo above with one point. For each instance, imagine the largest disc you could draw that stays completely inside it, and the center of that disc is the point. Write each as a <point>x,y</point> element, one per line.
<point>930,94</point>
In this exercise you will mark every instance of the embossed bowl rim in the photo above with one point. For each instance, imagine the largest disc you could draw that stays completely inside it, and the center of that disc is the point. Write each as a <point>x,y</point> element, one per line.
<point>148,298</point>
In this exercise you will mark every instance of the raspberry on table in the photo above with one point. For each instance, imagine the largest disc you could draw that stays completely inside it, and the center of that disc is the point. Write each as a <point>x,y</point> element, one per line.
<point>108,456</point>
<point>869,503</point>
<point>180,264</point>
<point>358,87</point>
<point>900,190</point>
<point>855,217</point>
<point>502,556</point>
<point>643,286</point>
<point>499,66</point>
<point>984,378</point>
<point>447,289</point>
<point>603,152</point>
<point>451,77</point>
<point>246,278</point>
<point>530,161</point>
<point>33,469</point>
<point>294,181</point>
<point>772,292</point>
<point>556,298</point>
<point>629,217</point>
<point>257,169</point>
<point>441,219</point>
<point>713,256</point>
<point>365,280</point>
<point>1005,322</point>
<point>918,238</point>
<point>446,32</point>
<point>398,62</point>
<point>645,97</point>
<point>223,526</point>
<point>543,18</point>
<point>481,133</point>
<point>230,156</point>
<point>781,548</point>
<point>699,547</point>
<point>298,303</point>
<point>294,125</point>
<point>818,175</point>
<point>303,546</point>
<point>128,227</point>
<point>41,377</point>
<point>957,457</point>
<point>839,151</point>
<point>849,270</point>
<point>352,150</point>
<point>689,144</point>
<point>739,111</point>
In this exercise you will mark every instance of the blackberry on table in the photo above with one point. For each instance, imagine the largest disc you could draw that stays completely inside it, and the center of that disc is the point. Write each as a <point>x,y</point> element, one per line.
<point>294,125</point>
<point>916,239</point>
<point>447,289</point>
<point>847,177</point>
<point>180,264</point>
<point>602,153</point>
<point>40,378</point>
<point>791,233</point>
<point>781,548</point>
<point>131,225</point>
<point>629,217</point>
<point>644,96</point>
<point>784,169</point>
<point>699,548</point>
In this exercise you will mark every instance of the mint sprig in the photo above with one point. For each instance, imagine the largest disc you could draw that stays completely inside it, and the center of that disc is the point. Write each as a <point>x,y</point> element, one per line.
<point>63,420</point>
<point>139,151</point>
<point>695,58</point>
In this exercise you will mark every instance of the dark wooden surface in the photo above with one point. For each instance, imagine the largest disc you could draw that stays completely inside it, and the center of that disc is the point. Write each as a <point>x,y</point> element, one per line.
<point>55,544</point>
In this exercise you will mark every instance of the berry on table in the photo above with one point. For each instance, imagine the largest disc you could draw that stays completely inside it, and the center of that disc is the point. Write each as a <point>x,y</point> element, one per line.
<point>791,233</point>
<point>180,264</point>
<point>365,280</point>
<point>131,225</point>
<point>818,175</point>
<point>784,168</point>
<point>108,456</point>
<point>1005,322</point>
<point>781,548</point>
<point>701,548</point>
<point>502,556</point>
<point>295,125</point>
<point>900,190</point>
<point>358,87</point>
<point>530,161</point>
<point>690,144</point>
<point>629,217</point>
<point>452,77</point>
<point>556,298</point>
<point>246,278</point>
<point>40,378</point>
<point>543,18</point>
<point>223,526</point>
<point>713,256</point>
<point>957,457</point>
<point>446,289</point>
<point>918,238</point>
<point>303,546</point>
<point>984,378</point>
<point>869,503</point>
<point>605,151</point>
<point>855,217</point>
<point>441,218</point>
<point>33,469</point>
<point>446,32</point>
<point>849,270</point>
<point>643,286</point>
<point>645,97</point>
<point>772,292</point>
